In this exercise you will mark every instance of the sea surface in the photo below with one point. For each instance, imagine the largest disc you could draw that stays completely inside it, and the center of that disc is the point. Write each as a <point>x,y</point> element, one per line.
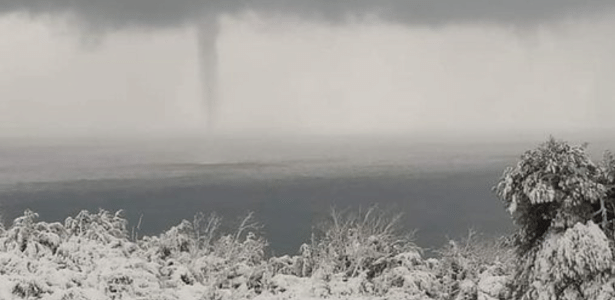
<point>442,188</point>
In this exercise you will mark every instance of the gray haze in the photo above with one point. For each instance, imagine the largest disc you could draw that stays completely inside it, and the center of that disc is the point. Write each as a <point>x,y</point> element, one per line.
<point>389,66</point>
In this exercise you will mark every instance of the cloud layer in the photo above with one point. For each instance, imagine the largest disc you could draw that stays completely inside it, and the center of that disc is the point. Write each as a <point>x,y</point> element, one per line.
<point>164,13</point>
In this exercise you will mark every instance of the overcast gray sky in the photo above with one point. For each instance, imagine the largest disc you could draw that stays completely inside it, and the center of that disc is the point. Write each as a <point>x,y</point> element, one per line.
<point>117,66</point>
<point>163,13</point>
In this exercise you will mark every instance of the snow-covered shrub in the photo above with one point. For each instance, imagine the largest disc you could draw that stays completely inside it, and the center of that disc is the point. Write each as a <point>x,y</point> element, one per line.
<point>474,260</point>
<point>494,284</point>
<point>360,254</point>
<point>102,226</point>
<point>299,265</point>
<point>289,285</point>
<point>29,288</point>
<point>194,238</point>
<point>355,243</point>
<point>574,264</point>
<point>235,261</point>
<point>201,237</point>
<point>206,230</point>
<point>411,280</point>
<point>196,253</point>
<point>178,239</point>
<point>285,265</point>
<point>31,237</point>
<point>19,235</point>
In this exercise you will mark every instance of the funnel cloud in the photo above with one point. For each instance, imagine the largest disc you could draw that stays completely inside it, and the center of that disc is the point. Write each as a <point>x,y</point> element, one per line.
<point>207,31</point>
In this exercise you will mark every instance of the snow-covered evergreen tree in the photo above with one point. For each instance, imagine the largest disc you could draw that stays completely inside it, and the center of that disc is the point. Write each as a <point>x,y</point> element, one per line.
<point>553,186</point>
<point>553,193</point>
<point>574,264</point>
<point>605,216</point>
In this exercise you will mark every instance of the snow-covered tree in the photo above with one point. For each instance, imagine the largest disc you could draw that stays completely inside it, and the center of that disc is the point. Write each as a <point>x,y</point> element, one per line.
<point>605,215</point>
<point>553,194</point>
<point>574,264</point>
<point>553,186</point>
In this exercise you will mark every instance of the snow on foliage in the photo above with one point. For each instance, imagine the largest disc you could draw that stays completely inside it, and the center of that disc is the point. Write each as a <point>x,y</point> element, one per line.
<point>555,193</point>
<point>102,226</point>
<point>562,202</point>
<point>574,264</point>
<point>476,267</point>
<point>553,185</point>
<point>353,243</point>
<point>91,257</point>
<point>606,212</point>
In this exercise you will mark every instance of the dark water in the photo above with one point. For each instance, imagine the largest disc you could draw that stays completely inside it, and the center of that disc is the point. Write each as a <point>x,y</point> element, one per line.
<point>442,193</point>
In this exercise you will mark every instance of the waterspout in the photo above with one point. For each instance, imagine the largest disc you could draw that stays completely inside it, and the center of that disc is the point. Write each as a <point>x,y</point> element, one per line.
<point>207,30</point>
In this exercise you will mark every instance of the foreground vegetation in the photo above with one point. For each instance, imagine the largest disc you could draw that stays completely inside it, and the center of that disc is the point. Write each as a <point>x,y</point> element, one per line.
<point>354,256</point>
<point>562,202</point>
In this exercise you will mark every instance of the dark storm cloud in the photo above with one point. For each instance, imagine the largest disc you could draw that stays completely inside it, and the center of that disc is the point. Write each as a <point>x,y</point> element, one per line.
<point>164,13</point>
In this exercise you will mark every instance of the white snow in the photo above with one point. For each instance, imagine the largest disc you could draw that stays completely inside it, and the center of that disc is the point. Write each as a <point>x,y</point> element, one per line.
<point>90,257</point>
